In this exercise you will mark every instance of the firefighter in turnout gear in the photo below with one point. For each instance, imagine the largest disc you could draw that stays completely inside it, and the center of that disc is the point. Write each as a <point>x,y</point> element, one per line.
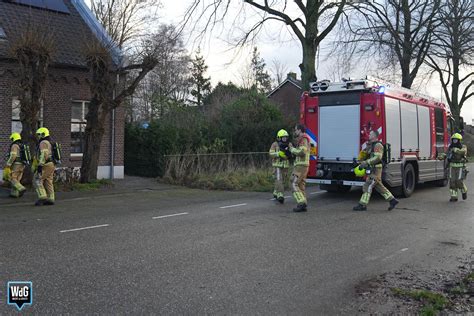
<point>280,154</point>
<point>457,158</point>
<point>15,167</point>
<point>372,160</point>
<point>44,169</point>
<point>301,152</point>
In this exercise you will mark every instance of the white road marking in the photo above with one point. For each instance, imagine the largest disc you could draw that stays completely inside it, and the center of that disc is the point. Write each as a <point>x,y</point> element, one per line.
<point>318,192</point>
<point>394,254</point>
<point>171,215</point>
<point>236,205</point>
<point>82,228</point>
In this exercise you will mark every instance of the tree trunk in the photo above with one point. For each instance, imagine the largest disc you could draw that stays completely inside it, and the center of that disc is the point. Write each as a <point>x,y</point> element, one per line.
<point>455,108</point>
<point>307,67</point>
<point>407,80</point>
<point>94,133</point>
<point>34,70</point>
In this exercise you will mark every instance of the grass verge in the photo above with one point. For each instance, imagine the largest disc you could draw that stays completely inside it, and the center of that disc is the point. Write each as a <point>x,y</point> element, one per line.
<point>92,186</point>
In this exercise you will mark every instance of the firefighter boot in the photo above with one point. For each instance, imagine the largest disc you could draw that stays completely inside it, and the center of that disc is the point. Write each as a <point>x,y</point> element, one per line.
<point>281,199</point>
<point>393,202</point>
<point>454,195</point>
<point>301,207</point>
<point>464,192</point>
<point>360,207</point>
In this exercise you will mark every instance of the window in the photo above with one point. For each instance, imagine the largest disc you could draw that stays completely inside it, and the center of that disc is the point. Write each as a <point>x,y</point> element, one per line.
<point>16,123</point>
<point>439,125</point>
<point>78,126</point>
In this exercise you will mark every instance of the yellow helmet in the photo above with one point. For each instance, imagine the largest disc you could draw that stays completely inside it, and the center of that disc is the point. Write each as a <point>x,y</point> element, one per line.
<point>42,132</point>
<point>456,136</point>
<point>15,137</point>
<point>359,172</point>
<point>282,133</point>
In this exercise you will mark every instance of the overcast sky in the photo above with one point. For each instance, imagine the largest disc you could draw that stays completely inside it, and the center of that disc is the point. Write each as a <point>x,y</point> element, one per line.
<point>275,43</point>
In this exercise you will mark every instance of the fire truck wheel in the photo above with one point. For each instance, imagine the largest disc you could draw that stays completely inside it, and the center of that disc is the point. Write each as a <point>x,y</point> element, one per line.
<point>334,188</point>
<point>409,180</point>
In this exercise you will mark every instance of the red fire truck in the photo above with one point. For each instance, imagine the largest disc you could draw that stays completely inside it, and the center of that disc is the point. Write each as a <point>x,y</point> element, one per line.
<point>339,117</point>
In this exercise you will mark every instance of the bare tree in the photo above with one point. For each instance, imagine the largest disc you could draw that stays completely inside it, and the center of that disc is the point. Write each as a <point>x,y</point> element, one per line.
<point>310,23</point>
<point>279,71</point>
<point>33,49</point>
<point>452,54</point>
<point>125,20</point>
<point>398,30</point>
<point>167,84</point>
<point>108,94</point>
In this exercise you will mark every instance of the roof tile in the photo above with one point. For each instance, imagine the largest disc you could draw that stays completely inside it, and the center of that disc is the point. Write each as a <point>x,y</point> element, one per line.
<point>69,30</point>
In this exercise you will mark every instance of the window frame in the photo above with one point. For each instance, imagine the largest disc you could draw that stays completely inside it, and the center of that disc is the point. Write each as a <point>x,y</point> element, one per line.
<point>82,121</point>
<point>15,119</point>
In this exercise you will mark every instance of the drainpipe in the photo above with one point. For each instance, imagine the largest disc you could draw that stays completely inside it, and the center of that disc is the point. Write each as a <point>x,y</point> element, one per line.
<point>112,138</point>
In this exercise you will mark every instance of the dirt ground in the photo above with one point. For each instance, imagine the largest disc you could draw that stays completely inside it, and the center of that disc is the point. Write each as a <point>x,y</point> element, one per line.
<point>418,292</point>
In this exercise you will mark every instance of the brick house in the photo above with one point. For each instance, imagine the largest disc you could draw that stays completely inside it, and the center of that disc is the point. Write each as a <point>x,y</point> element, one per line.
<point>287,97</point>
<point>67,89</point>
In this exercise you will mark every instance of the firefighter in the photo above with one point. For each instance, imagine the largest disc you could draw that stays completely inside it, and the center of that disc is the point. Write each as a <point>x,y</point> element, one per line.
<point>15,167</point>
<point>301,165</point>
<point>457,158</point>
<point>44,169</point>
<point>374,154</point>
<point>280,154</point>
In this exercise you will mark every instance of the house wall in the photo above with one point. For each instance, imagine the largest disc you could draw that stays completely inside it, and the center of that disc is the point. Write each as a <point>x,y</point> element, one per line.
<point>287,98</point>
<point>63,86</point>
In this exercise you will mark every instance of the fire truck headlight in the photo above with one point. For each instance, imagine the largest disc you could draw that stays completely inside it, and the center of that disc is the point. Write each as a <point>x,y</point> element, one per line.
<point>324,85</point>
<point>319,165</point>
<point>319,173</point>
<point>314,86</point>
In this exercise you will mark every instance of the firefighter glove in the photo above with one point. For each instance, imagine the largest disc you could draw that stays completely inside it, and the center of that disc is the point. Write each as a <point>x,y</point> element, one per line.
<point>7,172</point>
<point>282,154</point>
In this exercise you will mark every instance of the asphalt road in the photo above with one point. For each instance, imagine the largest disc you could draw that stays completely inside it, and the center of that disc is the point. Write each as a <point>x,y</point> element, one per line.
<point>169,250</point>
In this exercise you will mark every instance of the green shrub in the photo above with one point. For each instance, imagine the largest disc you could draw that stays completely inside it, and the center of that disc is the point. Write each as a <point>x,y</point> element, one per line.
<point>247,124</point>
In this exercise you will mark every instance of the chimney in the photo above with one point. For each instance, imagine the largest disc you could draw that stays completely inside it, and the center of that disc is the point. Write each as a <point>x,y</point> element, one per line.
<point>291,76</point>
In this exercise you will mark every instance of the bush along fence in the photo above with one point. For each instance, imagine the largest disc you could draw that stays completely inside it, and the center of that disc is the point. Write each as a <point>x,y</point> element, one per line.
<point>247,125</point>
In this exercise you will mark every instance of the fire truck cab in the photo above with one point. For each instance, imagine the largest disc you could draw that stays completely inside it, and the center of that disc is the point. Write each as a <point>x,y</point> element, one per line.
<point>339,117</point>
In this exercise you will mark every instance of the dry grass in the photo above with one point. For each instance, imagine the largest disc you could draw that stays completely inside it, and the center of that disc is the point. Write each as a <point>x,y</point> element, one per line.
<point>221,171</point>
